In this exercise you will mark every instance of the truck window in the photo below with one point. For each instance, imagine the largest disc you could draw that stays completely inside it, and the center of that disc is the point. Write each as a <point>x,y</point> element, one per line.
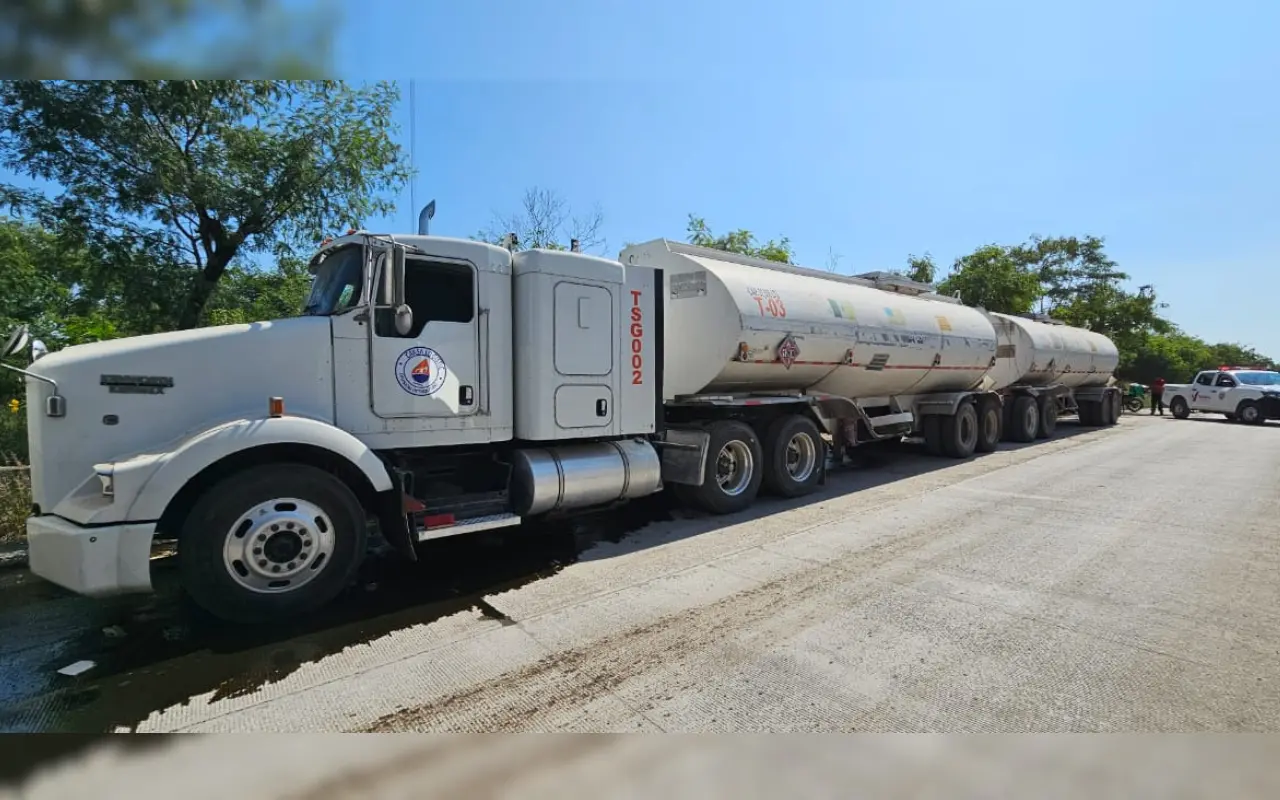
<point>437,291</point>
<point>1226,380</point>
<point>338,284</point>
<point>1205,379</point>
<point>1259,378</point>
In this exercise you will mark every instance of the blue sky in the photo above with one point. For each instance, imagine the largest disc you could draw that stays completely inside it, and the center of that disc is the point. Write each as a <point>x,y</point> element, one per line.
<point>874,129</point>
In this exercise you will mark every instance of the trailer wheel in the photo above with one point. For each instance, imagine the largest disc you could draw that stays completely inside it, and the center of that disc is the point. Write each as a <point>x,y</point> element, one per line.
<point>1249,413</point>
<point>931,430</point>
<point>960,432</point>
<point>792,457</point>
<point>1117,409</point>
<point>990,426</point>
<point>271,542</point>
<point>1090,412</point>
<point>1179,408</point>
<point>733,472</point>
<point>1047,409</point>
<point>1024,419</point>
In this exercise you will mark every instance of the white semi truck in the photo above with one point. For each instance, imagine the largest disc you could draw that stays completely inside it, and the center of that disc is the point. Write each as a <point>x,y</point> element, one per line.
<point>435,387</point>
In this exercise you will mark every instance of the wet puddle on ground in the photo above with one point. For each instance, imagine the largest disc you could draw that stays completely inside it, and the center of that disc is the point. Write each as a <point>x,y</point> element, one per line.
<point>152,652</point>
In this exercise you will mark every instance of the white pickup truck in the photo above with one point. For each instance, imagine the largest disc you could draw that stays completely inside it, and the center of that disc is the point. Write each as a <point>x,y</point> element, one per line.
<point>1244,394</point>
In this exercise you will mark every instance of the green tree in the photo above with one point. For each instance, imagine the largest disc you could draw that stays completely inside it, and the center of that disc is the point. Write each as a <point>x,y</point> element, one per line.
<point>739,241</point>
<point>996,278</point>
<point>921,269</point>
<point>546,222</point>
<point>204,172</point>
<point>196,38</point>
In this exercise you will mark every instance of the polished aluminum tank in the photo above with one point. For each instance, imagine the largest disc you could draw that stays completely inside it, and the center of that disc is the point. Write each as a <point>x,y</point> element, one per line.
<point>1033,353</point>
<point>737,324</point>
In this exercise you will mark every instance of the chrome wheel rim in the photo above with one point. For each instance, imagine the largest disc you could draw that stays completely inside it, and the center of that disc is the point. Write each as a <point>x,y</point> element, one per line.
<point>278,546</point>
<point>802,457</point>
<point>734,466</point>
<point>1250,414</point>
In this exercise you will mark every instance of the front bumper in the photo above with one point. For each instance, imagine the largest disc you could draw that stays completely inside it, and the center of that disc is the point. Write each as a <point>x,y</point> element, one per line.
<point>99,561</point>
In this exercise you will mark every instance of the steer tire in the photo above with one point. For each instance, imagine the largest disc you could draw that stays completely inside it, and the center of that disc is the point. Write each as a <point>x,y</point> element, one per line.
<point>233,520</point>
<point>1179,408</point>
<point>777,477</point>
<point>1249,413</point>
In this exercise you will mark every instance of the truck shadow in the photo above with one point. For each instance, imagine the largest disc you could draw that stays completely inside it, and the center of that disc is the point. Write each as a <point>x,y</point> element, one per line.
<point>160,651</point>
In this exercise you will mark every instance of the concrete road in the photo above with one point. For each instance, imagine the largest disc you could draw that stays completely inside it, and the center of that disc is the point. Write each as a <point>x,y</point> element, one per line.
<point>1110,580</point>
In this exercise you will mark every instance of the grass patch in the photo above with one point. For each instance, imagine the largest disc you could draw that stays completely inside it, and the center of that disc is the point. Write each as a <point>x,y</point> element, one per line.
<point>15,504</point>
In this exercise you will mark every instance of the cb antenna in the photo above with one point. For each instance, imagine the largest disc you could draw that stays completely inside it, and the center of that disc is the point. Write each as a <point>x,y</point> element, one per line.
<point>413,144</point>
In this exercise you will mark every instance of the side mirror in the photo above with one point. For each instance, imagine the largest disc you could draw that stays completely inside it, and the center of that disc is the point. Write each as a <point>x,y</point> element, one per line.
<point>38,350</point>
<point>404,314</point>
<point>16,342</point>
<point>397,276</point>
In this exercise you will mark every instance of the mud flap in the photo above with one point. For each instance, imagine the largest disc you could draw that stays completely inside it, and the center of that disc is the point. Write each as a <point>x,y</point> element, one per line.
<point>394,515</point>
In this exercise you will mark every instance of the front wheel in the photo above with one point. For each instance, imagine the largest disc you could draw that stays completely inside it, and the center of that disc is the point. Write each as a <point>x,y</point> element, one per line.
<point>1249,413</point>
<point>271,543</point>
<point>1179,408</point>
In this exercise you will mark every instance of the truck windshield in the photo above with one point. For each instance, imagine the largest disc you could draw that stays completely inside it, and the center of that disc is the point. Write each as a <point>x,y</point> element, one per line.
<point>338,284</point>
<point>1259,378</point>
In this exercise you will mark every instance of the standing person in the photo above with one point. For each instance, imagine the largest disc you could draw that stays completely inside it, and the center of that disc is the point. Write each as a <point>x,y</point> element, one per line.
<point>1157,396</point>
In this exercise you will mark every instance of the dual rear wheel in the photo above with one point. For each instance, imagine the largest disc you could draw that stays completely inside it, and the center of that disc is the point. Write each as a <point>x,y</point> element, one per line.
<point>787,462</point>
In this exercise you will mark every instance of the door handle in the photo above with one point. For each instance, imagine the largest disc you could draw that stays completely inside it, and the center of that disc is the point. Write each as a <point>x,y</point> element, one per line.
<point>466,395</point>
<point>602,407</point>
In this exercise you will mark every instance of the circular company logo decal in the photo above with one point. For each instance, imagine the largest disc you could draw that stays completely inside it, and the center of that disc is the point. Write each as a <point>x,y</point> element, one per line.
<point>420,371</point>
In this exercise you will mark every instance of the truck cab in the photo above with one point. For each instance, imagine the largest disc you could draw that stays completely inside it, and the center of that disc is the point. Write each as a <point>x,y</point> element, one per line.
<point>1250,395</point>
<point>430,387</point>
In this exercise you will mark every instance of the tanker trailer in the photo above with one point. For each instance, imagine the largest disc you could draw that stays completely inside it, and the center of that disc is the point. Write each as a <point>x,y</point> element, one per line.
<point>759,359</point>
<point>1046,369</point>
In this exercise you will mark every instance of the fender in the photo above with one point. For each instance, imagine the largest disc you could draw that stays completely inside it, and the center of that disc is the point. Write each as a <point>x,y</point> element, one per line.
<point>174,469</point>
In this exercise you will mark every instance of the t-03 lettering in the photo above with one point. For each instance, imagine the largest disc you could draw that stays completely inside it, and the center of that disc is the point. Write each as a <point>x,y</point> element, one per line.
<point>769,301</point>
<point>637,339</point>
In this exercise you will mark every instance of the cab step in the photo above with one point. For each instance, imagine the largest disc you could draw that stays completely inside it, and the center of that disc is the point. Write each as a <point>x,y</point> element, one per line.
<point>440,525</point>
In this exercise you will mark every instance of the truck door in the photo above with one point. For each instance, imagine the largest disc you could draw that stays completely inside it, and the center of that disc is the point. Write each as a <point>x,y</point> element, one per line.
<point>1201,392</point>
<point>433,370</point>
<point>1221,399</point>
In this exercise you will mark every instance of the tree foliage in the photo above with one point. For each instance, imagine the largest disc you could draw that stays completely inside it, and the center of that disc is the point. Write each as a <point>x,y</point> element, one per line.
<point>740,241</point>
<point>921,268</point>
<point>545,221</point>
<point>148,38</point>
<point>203,172</point>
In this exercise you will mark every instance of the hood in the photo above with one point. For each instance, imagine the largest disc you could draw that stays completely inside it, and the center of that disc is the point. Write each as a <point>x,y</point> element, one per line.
<point>138,395</point>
